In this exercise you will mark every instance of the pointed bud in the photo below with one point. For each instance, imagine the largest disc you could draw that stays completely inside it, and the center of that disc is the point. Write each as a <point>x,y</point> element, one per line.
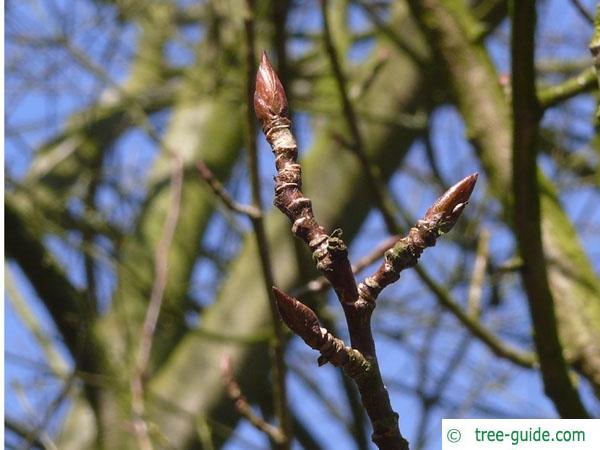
<point>451,204</point>
<point>270,102</point>
<point>299,318</point>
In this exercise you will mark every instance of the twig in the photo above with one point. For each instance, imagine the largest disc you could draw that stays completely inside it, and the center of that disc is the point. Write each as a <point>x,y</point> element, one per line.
<point>276,343</point>
<point>243,407</point>
<point>478,277</point>
<point>583,12</point>
<point>219,190</point>
<point>497,347</point>
<point>305,436</point>
<point>138,112</point>
<point>479,97</point>
<point>88,237</point>
<point>280,15</point>
<point>60,297</point>
<point>320,284</point>
<point>303,321</point>
<point>585,81</point>
<point>373,179</point>
<point>561,66</point>
<point>56,362</point>
<point>398,40</point>
<point>423,376</point>
<point>322,391</point>
<point>23,431</point>
<point>439,219</point>
<point>41,424</point>
<point>373,70</point>
<point>472,324</point>
<point>330,254</point>
<point>526,116</point>
<point>432,399</point>
<point>358,429</point>
<point>595,51</point>
<point>430,154</point>
<point>161,259</point>
<point>50,413</point>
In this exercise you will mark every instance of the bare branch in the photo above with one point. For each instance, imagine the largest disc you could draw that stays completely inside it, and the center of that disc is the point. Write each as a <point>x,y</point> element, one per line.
<point>66,304</point>
<point>56,362</point>
<point>496,346</point>
<point>403,44</point>
<point>487,116</point>
<point>583,12</point>
<point>330,253</point>
<point>154,306</point>
<point>478,276</point>
<point>303,321</point>
<point>219,190</point>
<point>320,284</point>
<point>595,50</point>
<point>276,344</point>
<point>585,81</point>
<point>438,220</point>
<point>30,436</point>
<point>243,407</point>
<point>376,185</point>
<point>527,213</point>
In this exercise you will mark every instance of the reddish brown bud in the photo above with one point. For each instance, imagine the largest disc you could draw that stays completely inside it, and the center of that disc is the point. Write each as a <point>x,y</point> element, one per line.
<point>270,102</point>
<point>299,318</point>
<point>451,204</point>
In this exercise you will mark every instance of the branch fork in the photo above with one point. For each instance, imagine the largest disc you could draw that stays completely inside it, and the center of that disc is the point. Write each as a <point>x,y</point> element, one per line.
<point>304,322</point>
<point>359,361</point>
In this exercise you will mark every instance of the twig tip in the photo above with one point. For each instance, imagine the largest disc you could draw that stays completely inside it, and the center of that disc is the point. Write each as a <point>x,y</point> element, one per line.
<point>298,317</point>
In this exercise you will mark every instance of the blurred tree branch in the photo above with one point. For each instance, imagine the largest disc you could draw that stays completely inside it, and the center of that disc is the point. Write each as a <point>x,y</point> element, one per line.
<point>585,81</point>
<point>383,80</point>
<point>488,119</point>
<point>526,116</point>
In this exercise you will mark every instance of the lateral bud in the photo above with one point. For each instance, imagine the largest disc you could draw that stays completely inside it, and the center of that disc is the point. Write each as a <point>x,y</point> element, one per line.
<point>303,321</point>
<point>270,102</point>
<point>299,318</point>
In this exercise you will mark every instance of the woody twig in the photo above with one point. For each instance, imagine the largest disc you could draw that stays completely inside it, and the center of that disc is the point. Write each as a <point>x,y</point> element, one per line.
<point>359,360</point>
<point>219,190</point>
<point>439,219</point>
<point>243,407</point>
